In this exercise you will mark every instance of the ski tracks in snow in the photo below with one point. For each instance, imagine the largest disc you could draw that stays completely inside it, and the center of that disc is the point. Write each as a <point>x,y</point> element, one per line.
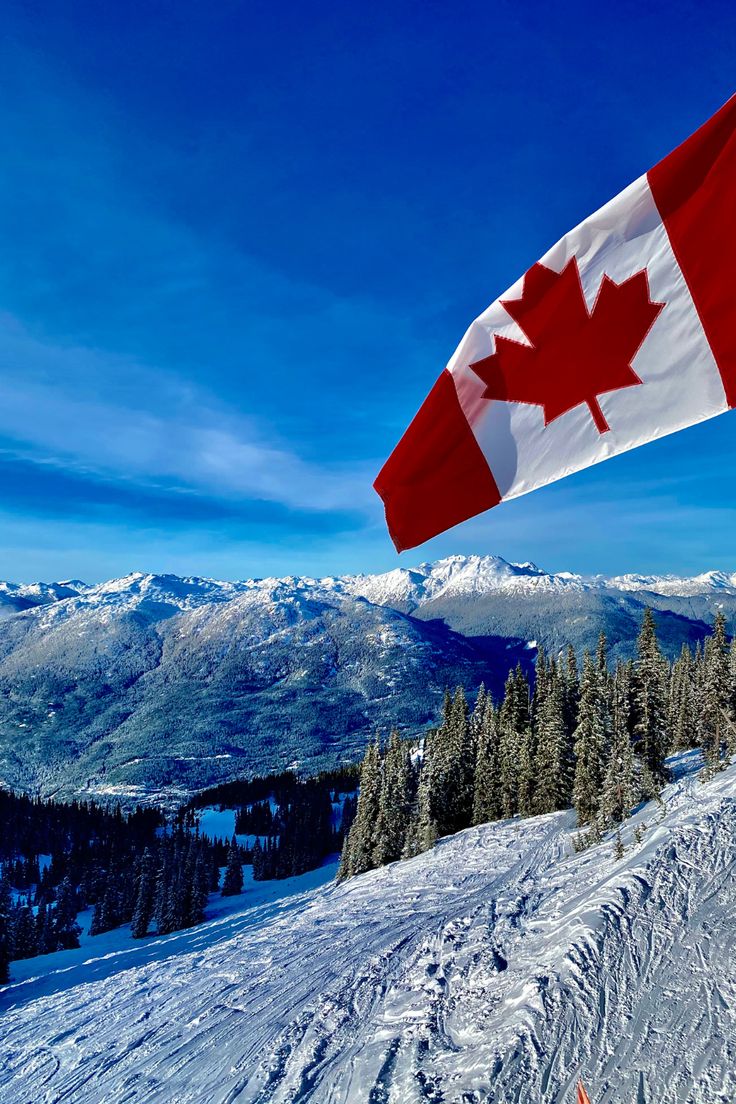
<point>496,968</point>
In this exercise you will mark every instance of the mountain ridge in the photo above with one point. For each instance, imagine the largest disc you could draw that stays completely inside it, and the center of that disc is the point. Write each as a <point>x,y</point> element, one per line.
<point>158,682</point>
<point>479,574</point>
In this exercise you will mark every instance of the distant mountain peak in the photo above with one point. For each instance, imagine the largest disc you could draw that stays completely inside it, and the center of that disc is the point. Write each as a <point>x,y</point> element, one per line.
<point>403,587</point>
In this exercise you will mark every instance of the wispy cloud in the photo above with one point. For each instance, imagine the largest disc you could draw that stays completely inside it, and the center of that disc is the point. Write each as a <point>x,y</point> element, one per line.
<point>174,434</point>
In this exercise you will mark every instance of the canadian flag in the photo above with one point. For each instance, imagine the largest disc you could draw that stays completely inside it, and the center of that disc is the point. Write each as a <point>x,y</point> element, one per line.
<point>623,332</point>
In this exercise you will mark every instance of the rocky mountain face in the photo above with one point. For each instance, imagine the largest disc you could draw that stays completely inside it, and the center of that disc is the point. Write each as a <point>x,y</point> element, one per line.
<point>148,682</point>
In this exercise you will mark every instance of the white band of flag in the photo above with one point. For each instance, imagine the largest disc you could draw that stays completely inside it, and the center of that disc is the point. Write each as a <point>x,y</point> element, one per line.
<point>625,331</point>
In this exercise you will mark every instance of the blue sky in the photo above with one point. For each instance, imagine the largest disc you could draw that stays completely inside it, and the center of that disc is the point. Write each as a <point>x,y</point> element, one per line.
<point>240,241</point>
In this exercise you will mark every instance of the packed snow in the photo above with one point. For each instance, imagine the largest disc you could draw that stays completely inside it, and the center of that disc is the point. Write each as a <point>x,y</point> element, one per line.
<point>499,967</point>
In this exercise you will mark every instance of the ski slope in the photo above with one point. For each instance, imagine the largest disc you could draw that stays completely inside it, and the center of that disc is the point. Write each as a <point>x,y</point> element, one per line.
<point>499,967</point>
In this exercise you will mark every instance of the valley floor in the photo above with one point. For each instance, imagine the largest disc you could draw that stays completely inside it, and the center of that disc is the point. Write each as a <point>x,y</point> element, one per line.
<point>498,967</point>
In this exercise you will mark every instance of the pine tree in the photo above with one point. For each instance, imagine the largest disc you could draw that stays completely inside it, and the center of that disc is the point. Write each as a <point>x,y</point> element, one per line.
<point>732,678</point>
<point>164,909</point>
<point>541,682</point>
<point>214,872</point>
<point>422,831</point>
<point>479,712</point>
<point>650,701</point>
<point>427,831</point>
<point>620,792</point>
<point>450,764</point>
<point>25,935</point>
<point>395,802</point>
<point>590,737</point>
<point>6,946</point>
<point>682,711</point>
<point>513,722</point>
<point>232,883</point>
<point>601,656</point>
<point>258,863</point>
<point>618,848</point>
<point>487,797</point>
<point>200,886</point>
<point>98,924</point>
<point>144,904</point>
<point>357,852</point>
<point>553,759</point>
<point>463,765</point>
<point>45,928</point>
<point>108,911</point>
<point>525,775</point>
<point>66,928</point>
<point>570,689</point>
<point>714,720</point>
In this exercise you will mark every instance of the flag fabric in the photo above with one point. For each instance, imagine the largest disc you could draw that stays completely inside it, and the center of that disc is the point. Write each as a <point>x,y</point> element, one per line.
<point>623,332</point>
<point>583,1097</point>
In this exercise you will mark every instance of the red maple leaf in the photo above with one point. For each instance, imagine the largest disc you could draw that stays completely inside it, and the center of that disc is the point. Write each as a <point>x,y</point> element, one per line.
<point>575,354</point>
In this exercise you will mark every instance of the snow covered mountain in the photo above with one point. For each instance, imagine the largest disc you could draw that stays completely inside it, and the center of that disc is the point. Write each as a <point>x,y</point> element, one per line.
<point>500,966</point>
<point>154,681</point>
<point>485,596</point>
<point>457,576</point>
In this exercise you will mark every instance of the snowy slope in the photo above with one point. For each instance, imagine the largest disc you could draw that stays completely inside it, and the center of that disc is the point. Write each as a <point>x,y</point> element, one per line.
<point>497,967</point>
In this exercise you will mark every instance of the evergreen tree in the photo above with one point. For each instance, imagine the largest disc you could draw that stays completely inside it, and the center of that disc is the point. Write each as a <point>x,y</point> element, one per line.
<point>449,761</point>
<point>462,766</point>
<point>395,802</point>
<point>487,796</point>
<point>200,887</point>
<point>66,928</point>
<point>6,945</point>
<point>732,679</point>
<point>232,883</point>
<point>357,852</point>
<point>525,775</point>
<point>590,737</point>
<point>214,872</point>
<point>98,924</point>
<point>164,909</point>
<point>541,682</point>
<point>650,701</point>
<point>601,656</point>
<point>25,935</point>
<point>553,759</point>
<point>426,827</point>
<point>513,723</point>
<point>620,792</point>
<point>682,712</point>
<point>713,712</point>
<point>479,712</point>
<point>258,863</point>
<point>108,912</point>
<point>570,689</point>
<point>618,848</point>
<point>45,929</point>
<point>145,897</point>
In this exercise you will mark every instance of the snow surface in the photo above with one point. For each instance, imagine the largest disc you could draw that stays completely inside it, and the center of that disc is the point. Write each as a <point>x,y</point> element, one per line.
<point>498,967</point>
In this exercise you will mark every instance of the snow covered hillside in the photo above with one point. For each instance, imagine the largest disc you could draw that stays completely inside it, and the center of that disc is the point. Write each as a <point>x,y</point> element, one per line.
<point>497,967</point>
